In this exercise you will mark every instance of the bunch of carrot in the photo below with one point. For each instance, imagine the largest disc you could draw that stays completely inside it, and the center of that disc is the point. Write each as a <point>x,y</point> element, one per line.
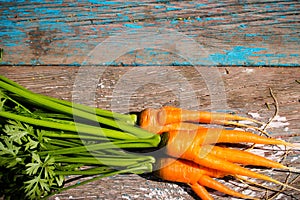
<point>40,144</point>
<point>195,154</point>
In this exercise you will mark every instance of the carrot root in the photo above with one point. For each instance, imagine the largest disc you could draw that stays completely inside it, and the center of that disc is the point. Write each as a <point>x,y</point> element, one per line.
<point>155,119</point>
<point>201,192</point>
<point>169,114</point>
<point>179,145</point>
<point>206,136</point>
<point>242,157</point>
<point>211,183</point>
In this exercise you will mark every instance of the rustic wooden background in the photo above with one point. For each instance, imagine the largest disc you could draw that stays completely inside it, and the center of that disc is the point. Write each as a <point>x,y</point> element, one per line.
<point>236,32</point>
<point>145,56</point>
<point>246,92</point>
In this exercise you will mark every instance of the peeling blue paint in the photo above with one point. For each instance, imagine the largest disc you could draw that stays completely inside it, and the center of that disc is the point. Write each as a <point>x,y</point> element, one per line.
<point>75,64</point>
<point>133,26</point>
<point>104,2</point>
<point>239,55</point>
<point>12,44</point>
<point>199,19</point>
<point>275,55</point>
<point>200,5</point>
<point>295,55</point>
<point>251,34</point>
<point>174,21</point>
<point>46,16</point>
<point>172,9</point>
<point>214,18</point>
<point>159,6</point>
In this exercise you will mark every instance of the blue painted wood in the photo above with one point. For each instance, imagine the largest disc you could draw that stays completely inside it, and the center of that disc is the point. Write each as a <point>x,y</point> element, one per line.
<point>244,33</point>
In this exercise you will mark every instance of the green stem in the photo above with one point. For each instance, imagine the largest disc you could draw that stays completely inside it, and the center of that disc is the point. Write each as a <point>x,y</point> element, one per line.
<point>81,128</point>
<point>52,105</point>
<point>108,161</point>
<point>91,171</point>
<point>54,134</point>
<point>94,147</point>
<point>105,113</point>
<point>138,169</point>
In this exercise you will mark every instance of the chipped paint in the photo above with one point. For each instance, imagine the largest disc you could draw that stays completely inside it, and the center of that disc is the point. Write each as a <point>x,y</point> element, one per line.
<point>239,55</point>
<point>81,24</point>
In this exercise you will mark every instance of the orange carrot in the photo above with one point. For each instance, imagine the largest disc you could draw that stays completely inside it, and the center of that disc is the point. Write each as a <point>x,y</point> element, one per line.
<point>201,192</point>
<point>170,115</point>
<point>242,157</point>
<point>204,136</point>
<point>211,183</point>
<point>148,120</point>
<point>194,175</point>
<point>178,146</point>
<point>167,166</point>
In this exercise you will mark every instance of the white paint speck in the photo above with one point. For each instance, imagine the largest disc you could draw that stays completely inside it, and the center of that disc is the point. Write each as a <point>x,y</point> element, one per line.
<point>101,85</point>
<point>280,119</point>
<point>248,70</point>
<point>294,159</point>
<point>254,115</point>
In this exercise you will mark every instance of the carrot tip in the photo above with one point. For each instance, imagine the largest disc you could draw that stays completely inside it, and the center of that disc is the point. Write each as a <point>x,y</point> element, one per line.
<point>293,169</point>
<point>295,146</point>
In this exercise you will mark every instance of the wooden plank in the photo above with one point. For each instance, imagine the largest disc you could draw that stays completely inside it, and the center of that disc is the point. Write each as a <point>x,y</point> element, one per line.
<point>246,92</point>
<point>241,33</point>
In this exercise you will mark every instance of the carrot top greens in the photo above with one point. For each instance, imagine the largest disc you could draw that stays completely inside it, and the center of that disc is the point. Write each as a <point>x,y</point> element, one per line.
<point>43,139</point>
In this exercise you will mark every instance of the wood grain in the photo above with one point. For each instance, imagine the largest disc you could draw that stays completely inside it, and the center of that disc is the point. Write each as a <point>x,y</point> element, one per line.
<point>246,91</point>
<point>244,33</point>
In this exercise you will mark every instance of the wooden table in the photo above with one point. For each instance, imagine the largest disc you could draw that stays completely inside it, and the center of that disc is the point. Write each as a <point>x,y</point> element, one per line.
<point>220,56</point>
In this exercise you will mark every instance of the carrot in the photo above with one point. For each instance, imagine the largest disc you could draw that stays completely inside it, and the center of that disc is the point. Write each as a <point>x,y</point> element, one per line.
<point>204,136</point>
<point>196,176</point>
<point>167,166</point>
<point>172,127</point>
<point>171,115</point>
<point>211,183</point>
<point>201,192</point>
<point>242,157</point>
<point>178,146</point>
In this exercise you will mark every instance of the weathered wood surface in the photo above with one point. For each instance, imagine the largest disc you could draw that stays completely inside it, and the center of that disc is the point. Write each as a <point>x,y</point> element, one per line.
<point>246,92</point>
<point>241,33</point>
